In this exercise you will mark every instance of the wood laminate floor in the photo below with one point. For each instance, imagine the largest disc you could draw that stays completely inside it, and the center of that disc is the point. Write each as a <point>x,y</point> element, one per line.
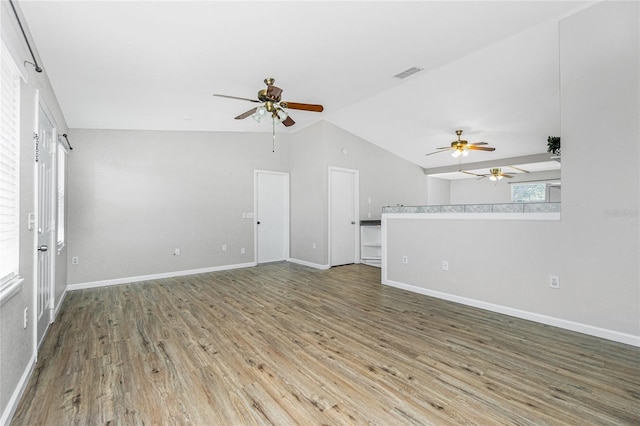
<point>284,344</point>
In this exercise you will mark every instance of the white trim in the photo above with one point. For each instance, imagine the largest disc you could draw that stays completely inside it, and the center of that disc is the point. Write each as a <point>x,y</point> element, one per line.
<point>11,290</point>
<point>615,336</point>
<point>356,211</point>
<point>9,50</point>
<point>128,280</point>
<point>56,309</point>
<point>41,107</point>
<point>13,402</point>
<point>309,264</point>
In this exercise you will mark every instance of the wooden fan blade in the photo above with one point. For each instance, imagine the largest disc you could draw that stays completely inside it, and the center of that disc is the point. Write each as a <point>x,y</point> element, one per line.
<point>288,122</point>
<point>479,143</point>
<point>246,114</point>
<point>305,107</point>
<point>274,93</point>
<point>519,169</point>
<point>236,97</point>
<point>507,176</point>
<point>471,173</point>
<point>481,148</point>
<point>445,147</point>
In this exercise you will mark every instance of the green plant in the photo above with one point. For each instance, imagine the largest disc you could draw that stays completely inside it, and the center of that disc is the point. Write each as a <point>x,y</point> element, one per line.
<point>553,145</point>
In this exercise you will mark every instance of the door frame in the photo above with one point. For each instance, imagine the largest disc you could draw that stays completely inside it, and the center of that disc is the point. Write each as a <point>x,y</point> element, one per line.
<point>286,236</point>
<point>356,211</point>
<point>41,107</point>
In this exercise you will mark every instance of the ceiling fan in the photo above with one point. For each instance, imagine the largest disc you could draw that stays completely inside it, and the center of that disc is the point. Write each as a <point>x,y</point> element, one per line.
<point>460,148</point>
<point>495,174</point>
<point>272,106</point>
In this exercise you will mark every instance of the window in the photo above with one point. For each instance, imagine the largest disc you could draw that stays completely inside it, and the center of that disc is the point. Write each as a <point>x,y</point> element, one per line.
<point>62,173</point>
<point>9,171</point>
<point>529,192</point>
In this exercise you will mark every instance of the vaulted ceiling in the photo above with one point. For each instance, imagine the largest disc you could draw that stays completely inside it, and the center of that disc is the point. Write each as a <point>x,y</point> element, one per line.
<point>488,68</point>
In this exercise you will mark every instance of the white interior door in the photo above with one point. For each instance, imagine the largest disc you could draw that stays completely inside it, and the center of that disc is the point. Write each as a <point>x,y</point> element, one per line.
<point>272,216</point>
<point>45,156</point>
<point>343,216</point>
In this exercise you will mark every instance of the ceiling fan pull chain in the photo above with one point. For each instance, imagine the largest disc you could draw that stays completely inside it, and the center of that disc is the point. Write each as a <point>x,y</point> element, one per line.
<point>273,121</point>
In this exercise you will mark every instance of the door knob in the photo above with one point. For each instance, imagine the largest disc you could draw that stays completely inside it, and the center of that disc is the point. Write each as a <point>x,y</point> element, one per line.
<point>43,248</point>
<point>353,222</point>
<point>258,222</point>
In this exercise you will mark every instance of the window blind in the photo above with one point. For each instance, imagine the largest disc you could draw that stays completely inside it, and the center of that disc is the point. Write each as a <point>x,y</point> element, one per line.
<point>9,168</point>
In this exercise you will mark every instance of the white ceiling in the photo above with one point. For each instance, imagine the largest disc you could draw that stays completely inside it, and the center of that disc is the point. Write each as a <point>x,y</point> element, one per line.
<point>489,68</point>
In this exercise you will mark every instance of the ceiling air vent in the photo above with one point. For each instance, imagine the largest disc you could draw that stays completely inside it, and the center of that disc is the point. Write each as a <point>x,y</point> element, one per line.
<point>408,72</point>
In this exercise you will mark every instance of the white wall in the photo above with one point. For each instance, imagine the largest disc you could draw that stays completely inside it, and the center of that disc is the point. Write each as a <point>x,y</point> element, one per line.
<point>17,344</point>
<point>595,247</point>
<point>385,179</point>
<point>135,196</point>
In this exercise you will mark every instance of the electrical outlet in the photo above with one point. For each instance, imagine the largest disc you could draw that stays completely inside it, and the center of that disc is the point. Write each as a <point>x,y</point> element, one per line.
<point>313,246</point>
<point>243,250</point>
<point>25,320</point>
<point>445,265</point>
<point>75,260</point>
<point>224,247</point>
<point>176,252</point>
<point>554,281</point>
<point>405,260</point>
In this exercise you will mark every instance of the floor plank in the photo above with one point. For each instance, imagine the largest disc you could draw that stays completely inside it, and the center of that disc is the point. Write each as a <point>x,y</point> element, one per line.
<point>285,344</point>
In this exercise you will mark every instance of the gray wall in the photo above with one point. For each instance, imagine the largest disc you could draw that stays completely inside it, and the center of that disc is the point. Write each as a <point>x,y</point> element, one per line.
<point>17,349</point>
<point>600,86</point>
<point>438,191</point>
<point>594,248</point>
<point>503,262</point>
<point>135,196</point>
<point>385,179</point>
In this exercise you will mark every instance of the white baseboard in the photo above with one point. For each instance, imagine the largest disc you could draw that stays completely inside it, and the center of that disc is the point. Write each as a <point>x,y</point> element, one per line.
<point>615,336</point>
<point>309,264</point>
<point>13,402</point>
<point>57,308</point>
<point>139,278</point>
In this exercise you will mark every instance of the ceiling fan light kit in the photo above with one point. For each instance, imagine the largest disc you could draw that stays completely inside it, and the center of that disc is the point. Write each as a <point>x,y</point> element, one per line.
<point>496,175</point>
<point>460,148</point>
<point>460,152</point>
<point>272,106</point>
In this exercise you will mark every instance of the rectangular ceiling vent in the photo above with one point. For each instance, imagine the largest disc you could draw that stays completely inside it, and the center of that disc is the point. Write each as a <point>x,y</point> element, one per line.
<point>408,72</point>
